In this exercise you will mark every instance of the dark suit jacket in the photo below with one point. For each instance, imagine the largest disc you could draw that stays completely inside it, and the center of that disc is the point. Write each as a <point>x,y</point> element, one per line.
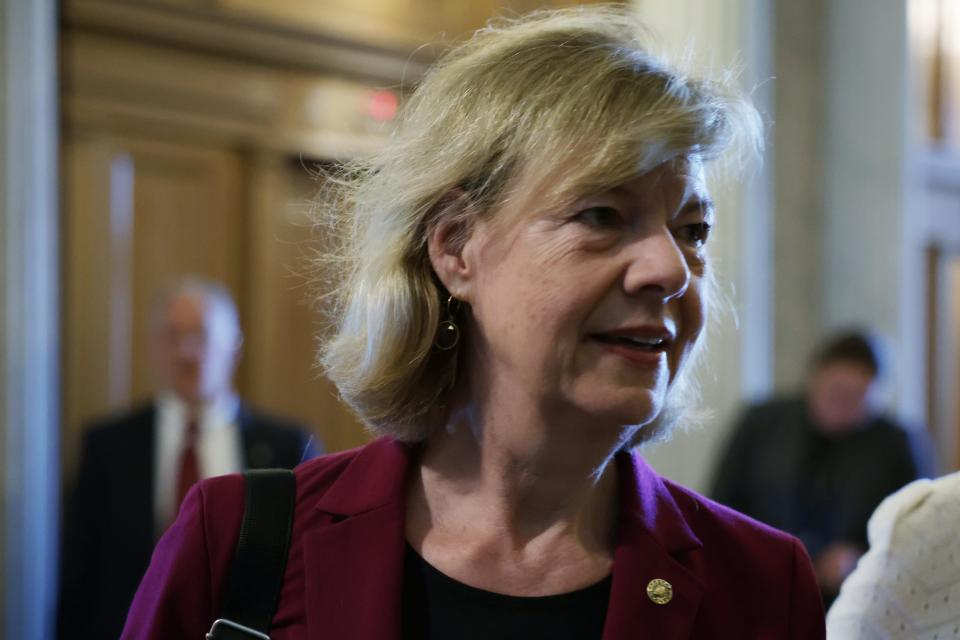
<point>109,528</point>
<point>779,469</point>
<point>732,577</point>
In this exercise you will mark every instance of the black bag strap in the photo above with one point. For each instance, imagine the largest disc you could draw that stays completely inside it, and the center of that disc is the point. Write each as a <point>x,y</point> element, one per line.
<point>256,575</point>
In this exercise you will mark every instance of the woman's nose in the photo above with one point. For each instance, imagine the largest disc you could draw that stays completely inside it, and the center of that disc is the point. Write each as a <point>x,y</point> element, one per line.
<point>657,267</point>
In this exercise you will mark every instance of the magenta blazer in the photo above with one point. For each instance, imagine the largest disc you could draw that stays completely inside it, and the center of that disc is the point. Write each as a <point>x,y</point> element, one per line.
<point>731,576</point>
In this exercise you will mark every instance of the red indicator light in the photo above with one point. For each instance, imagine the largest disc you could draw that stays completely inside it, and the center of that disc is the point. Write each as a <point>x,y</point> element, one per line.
<point>382,105</point>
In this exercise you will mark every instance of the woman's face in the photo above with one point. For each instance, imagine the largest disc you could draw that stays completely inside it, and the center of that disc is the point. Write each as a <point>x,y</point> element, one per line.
<point>593,308</point>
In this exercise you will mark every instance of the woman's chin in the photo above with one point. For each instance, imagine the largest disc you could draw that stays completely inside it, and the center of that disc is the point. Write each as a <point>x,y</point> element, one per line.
<point>621,416</point>
<point>629,406</point>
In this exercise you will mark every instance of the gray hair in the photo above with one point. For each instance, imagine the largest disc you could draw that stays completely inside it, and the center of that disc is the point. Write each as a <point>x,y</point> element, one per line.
<point>212,292</point>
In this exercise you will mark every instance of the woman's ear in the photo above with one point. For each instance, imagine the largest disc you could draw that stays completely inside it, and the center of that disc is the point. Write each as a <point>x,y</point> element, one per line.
<point>447,239</point>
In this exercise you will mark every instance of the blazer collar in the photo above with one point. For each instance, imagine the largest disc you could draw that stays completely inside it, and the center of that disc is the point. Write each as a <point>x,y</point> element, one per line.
<point>653,538</point>
<point>647,502</point>
<point>376,477</point>
<point>354,559</point>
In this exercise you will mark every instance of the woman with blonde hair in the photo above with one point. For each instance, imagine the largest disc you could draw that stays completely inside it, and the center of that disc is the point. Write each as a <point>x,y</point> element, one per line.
<point>523,284</point>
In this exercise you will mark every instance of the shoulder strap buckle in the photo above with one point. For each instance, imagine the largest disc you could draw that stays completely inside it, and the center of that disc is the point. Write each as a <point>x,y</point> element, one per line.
<point>230,624</point>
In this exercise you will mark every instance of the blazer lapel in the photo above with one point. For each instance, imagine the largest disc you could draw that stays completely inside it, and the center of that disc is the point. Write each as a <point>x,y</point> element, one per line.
<point>653,537</point>
<point>354,557</point>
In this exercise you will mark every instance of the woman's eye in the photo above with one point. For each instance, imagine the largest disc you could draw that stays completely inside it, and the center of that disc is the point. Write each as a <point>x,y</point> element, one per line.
<point>695,234</point>
<point>600,217</point>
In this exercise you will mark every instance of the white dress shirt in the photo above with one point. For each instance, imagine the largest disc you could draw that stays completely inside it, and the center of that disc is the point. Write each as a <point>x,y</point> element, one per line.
<point>908,584</point>
<point>219,447</point>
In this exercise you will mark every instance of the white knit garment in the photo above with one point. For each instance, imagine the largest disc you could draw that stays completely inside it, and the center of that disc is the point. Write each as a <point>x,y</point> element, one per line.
<point>908,584</point>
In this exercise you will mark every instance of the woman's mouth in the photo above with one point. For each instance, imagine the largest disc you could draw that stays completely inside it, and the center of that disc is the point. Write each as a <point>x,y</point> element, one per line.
<point>647,348</point>
<point>631,341</point>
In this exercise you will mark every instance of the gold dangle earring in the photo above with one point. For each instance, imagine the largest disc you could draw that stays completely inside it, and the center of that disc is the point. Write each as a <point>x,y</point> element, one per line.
<point>448,334</point>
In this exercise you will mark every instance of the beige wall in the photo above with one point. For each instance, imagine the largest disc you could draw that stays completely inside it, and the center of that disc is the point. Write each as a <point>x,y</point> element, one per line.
<point>799,173</point>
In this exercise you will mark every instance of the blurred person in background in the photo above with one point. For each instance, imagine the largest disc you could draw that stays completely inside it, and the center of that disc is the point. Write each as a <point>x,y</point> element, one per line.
<point>818,464</point>
<point>523,287</point>
<point>136,467</point>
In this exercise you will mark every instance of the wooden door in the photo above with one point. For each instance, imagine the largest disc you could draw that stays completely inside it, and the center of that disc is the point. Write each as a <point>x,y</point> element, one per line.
<point>137,214</point>
<point>284,322</point>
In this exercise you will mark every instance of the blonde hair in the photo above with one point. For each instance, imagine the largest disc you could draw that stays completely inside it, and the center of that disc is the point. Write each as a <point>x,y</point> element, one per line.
<point>570,94</point>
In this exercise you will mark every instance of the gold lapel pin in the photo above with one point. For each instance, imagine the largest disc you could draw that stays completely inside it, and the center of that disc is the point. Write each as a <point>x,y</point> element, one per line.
<point>660,591</point>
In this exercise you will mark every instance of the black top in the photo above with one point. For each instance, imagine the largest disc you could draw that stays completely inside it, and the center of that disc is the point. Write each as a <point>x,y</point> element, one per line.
<point>437,607</point>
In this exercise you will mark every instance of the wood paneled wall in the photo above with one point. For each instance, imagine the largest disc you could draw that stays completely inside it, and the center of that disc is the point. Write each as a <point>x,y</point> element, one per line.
<point>182,160</point>
<point>392,22</point>
<point>143,211</point>
<point>140,213</point>
<point>185,125</point>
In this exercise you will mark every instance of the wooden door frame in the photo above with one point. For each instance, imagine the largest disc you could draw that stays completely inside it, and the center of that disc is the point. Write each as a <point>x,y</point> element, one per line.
<point>938,207</point>
<point>939,257</point>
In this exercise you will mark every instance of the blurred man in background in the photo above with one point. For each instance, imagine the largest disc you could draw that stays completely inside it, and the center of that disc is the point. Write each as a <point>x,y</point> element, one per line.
<point>817,465</point>
<point>136,468</point>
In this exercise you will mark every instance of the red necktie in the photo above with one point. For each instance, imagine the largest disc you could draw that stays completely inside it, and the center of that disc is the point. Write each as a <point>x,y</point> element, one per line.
<point>189,465</point>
